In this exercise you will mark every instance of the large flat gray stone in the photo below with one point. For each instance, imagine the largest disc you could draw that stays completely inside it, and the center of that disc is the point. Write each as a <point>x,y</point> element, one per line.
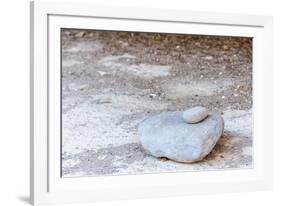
<point>168,135</point>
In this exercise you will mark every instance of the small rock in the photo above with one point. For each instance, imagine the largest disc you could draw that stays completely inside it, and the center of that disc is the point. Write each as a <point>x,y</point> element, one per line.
<point>195,114</point>
<point>75,87</point>
<point>208,57</point>
<point>104,101</point>
<point>125,44</point>
<point>80,34</point>
<point>152,95</point>
<point>67,33</point>
<point>91,34</point>
<point>82,87</point>
<point>102,73</point>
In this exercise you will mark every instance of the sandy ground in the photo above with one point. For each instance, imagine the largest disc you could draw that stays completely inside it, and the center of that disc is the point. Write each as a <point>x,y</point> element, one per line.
<point>111,81</point>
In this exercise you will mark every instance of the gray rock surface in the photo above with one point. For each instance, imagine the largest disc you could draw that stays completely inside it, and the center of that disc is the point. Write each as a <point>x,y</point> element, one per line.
<point>195,114</point>
<point>168,135</point>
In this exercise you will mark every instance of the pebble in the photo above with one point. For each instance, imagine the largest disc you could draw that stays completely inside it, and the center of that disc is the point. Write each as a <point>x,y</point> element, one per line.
<point>167,135</point>
<point>80,34</point>
<point>91,34</point>
<point>225,47</point>
<point>75,87</point>
<point>152,95</point>
<point>104,101</point>
<point>67,33</point>
<point>208,57</point>
<point>83,87</point>
<point>195,114</point>
<point>102,73</point>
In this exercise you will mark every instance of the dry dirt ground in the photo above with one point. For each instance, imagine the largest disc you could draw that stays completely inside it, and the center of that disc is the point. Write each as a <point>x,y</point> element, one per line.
<point>111,81</point>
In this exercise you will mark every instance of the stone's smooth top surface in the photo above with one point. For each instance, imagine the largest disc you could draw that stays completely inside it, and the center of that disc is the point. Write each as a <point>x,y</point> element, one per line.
<point>195,114</point>
<point>168,135</point>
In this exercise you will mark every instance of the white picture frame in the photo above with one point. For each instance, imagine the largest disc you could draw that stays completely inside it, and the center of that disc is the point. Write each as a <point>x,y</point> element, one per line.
<point>47,18</point>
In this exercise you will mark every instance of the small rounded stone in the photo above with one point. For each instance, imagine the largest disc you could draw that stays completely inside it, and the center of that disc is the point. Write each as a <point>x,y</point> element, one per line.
<point>195,114</point>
